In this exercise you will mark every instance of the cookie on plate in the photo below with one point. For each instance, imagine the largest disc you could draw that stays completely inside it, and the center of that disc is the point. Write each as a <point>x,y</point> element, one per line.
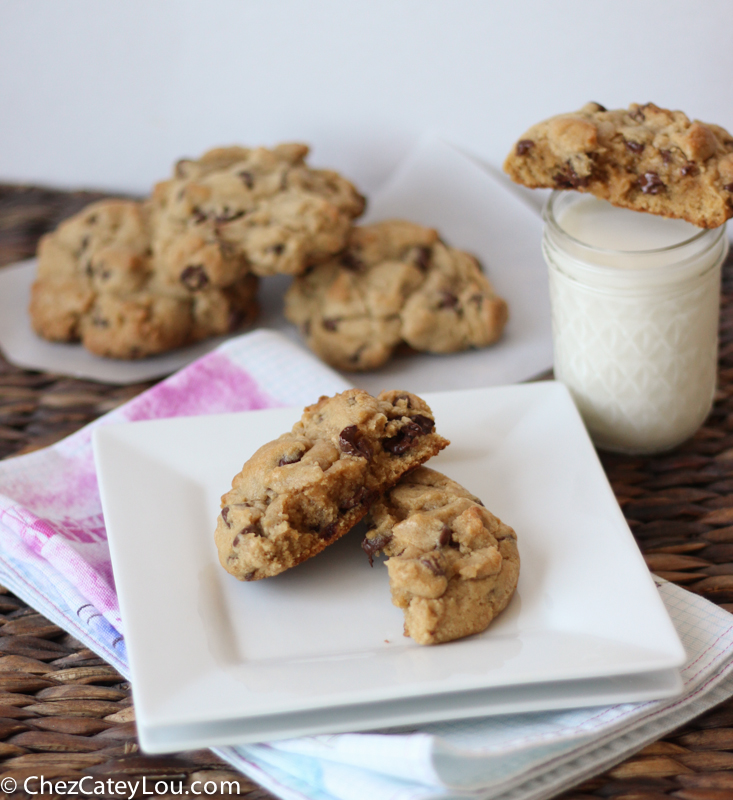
<point>645,158</point>
<point>306,489</point>
<point>395,282</point>
<point>240,209</point>
<point>97,283</point>
<point>453,566</point>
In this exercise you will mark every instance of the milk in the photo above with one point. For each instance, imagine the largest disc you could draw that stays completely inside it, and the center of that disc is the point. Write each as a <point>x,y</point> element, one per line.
<point>635,303</point>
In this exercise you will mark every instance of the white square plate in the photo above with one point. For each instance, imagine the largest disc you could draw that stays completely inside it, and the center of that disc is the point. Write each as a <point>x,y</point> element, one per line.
<point>320,648</point>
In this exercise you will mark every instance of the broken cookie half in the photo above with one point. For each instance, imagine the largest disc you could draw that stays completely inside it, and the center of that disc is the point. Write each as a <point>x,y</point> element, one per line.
<point>453,565</point>
<point>301,492</point>
<point>644,158</point>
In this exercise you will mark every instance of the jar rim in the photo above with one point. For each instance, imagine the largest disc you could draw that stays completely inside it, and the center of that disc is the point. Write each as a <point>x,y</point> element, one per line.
<point>549,218</point>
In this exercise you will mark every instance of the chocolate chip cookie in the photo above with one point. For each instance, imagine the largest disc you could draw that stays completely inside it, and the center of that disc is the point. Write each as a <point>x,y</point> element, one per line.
<point>97,283</point>
<point>303,491</point>
<point>645,158</point>
<point>396,282</point>
<point>453,566</point>
<point>240,209</point>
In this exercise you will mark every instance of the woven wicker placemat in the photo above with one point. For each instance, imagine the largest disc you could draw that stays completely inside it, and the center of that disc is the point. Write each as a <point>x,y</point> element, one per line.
<point>65,713</point>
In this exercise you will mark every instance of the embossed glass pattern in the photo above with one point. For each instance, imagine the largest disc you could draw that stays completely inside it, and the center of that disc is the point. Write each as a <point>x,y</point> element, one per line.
<point>635,334</point>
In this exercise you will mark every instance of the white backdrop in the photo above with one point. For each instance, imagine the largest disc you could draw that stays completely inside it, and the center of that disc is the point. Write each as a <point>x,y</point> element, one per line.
<point>108,95</point>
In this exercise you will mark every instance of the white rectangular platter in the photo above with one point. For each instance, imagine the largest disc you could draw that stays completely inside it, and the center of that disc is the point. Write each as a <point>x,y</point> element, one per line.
<point>320,648</point>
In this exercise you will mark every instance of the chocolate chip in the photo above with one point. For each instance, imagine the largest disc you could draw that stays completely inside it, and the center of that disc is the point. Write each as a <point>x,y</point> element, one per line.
<point>728,187</point>
<point>689,169</point>
<point>524,146</point>
<point>446,536</point>
<point>398,444</point>
<point>225,515</point>
<point>651,183</point>
<point>599,107</point>
<point>255,528</point>
<point>638,115</point>
<point>372,545</point>
<point>289,459</point>
<point>250,575</point>
<point>351,262</point>
<point>422,258</point>
<point>666,156</point>
<point>569,179</point>
<point>277,249</point>
<point>353,443</point>
<point>330,324</point>
<point>225,216</point>
<point>635,147</point>
<point>92,219</point>
<point>362,497</point>
<point>447,300</point>
<point>194,277</point>
<point>425,424</point>
<point>436,569</point>
<point>406,398</point>
<point>198,216</point>
<point>248,178</point>
<point>329,531</point>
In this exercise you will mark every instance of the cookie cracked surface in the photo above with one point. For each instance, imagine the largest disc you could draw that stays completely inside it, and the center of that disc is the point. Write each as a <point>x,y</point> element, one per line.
<point>97,283</point>
<point>453,566</point>
<point>306,489</point>
<point>645,158</point>
<point>239,209</point>
<point>395,282</point>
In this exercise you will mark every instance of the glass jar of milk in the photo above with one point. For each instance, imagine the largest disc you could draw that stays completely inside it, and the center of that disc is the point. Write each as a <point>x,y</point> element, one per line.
<point>635,303</point>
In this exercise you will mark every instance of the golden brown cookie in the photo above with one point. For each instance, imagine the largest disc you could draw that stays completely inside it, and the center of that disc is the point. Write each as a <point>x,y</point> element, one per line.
<point>453,566</point>
<point>239,209</point>
<point>395,282</point>
<point>303,491</point>
<point>98,283</point>
<point>645,158</point>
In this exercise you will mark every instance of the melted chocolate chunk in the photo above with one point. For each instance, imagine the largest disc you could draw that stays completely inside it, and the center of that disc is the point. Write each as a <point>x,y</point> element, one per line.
<point>329,531</point>
<point>250,575</point>
<point>353,443</point>
<point>351,262</point>
<point>248,178</point>
<point>404,440</point>
<point>371,546</point>
<point>728,187</point>
<point>425,424</point>
<point>448,300</point>
<point>446,536</point>
<point>330,324</point>
<point>689,169</point>
<point>651,183</point>
<point>634,147</point>
<point>194,277</point>
<point>255,528</point>
<point>599,107</point>
<point>569,179</point>
<point>666,156</point>
<point>638,115</point>
<point>289,459</point>
<point>524,146</point>
<point>225,515</point>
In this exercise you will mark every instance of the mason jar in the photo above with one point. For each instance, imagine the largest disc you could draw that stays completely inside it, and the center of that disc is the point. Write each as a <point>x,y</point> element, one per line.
<point>635,303</point>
